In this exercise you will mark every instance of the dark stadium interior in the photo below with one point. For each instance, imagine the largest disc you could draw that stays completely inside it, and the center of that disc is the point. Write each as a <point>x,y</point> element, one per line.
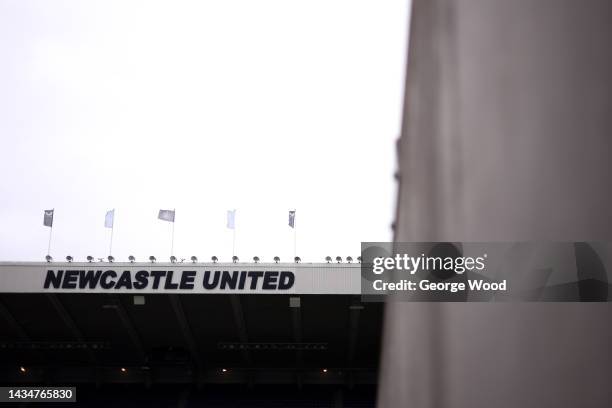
<point>222,350</point>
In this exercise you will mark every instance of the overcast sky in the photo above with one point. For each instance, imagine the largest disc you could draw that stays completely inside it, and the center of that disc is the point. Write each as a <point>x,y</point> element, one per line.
<point>202,106</point>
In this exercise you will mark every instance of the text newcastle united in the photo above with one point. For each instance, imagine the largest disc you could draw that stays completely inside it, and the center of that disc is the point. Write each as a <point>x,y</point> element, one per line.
<point>168,279</point>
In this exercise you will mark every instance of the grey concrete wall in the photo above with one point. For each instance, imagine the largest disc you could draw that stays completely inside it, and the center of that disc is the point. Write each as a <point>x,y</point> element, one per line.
<point>507,135</point>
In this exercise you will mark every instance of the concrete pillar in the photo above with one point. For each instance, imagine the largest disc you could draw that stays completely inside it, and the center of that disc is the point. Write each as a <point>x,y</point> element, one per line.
<point>507,136</point>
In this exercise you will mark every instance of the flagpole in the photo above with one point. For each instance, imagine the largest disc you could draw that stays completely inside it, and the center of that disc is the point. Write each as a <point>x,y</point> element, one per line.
<point>294,234</point>
<point>49,246</point>
<point>234,241</point>
<point>110,249</point>
<point>172,243</point>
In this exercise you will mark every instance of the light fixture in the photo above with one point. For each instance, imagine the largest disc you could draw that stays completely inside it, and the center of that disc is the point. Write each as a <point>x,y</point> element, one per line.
<point>123,369</point>
<point>235,259</point>
<point>276,259</point>
<point>359,259</point>
<point>131,258</point>
<point>297,259</point>
<point>111,258</point>
<point>256,259</point>
<point>349,259</point>
<point>49,258</point>
<point>214,259</point>
<point>152,259</point>
<point>194,259</point>
<point>224,370</point>
<point>90,258</point>
<point>23,370</point>
<point>173,259</point>
<point>69,258</point>
<point>339,259</point>
<point>324,370</point>
<point>328,259</point>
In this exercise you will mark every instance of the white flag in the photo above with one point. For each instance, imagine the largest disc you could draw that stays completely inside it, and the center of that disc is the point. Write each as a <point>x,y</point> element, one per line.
<point>109,219</point>
<point>166,215</point>
<point>231,219</point>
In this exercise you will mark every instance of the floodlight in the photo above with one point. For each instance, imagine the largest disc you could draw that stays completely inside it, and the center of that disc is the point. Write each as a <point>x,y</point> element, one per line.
<point>328,259</point>
<point>256,259</point>
<point>214,259</point>
<point>276,259</point>
<point>49,258</point>
<point>110,258</point>
<point>90,258</point>
<point>349,259</point>
<point>131,258</point>
<point>194,259</point>
<point>297,259</point>
<point>152,259</point>
<point>173,259</point>
<point>235,259</point>
<point>69,258</point>
<point>359,259</point>
<point>339,259</point>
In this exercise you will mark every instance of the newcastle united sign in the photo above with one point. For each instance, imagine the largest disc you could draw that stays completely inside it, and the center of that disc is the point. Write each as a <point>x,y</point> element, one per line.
<point>29,277</point>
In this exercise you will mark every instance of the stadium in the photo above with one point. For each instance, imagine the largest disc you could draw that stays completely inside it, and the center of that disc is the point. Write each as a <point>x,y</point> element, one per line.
<point>311,344</point>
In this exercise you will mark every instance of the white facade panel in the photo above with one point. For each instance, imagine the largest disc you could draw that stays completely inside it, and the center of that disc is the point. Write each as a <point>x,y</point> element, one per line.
<point>103,277</point>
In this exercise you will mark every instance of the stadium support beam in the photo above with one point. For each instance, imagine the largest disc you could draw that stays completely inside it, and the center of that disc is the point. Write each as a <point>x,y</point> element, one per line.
<point>69,322</point>
<point>13,323</point>
<point>18,328</point>
<point>240,325</point>
<point>296,317</point>
<point>129,327</point>
<point>353,334</point>
<point>354,314</point>
<point>175,301</point>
